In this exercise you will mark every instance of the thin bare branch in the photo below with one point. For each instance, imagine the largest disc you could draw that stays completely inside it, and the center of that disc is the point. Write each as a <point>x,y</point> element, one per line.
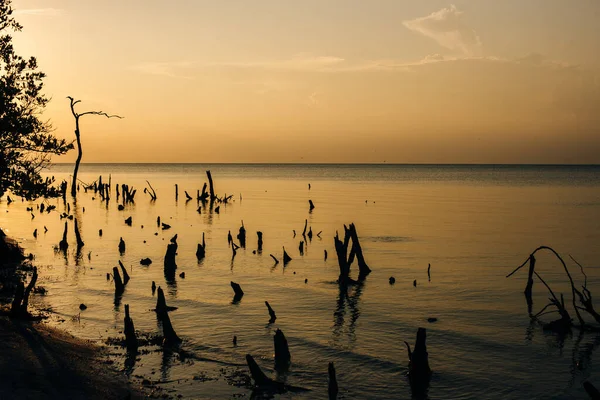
<point>99,113</point>
<point>581,267</point>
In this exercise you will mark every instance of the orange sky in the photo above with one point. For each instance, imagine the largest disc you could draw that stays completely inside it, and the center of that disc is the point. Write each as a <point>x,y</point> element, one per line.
<point>473,81</point>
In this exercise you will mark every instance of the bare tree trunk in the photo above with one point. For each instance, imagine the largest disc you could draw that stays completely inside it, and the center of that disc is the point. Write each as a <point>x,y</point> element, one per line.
<point>77,135</point>
<point>79,155</point>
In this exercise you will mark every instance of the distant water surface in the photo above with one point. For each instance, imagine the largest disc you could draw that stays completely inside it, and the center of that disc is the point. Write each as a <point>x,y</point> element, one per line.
<point>473,224</point>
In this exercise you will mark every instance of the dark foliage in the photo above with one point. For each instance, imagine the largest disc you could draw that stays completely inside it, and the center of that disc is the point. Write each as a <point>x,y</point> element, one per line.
<point>26,141</point>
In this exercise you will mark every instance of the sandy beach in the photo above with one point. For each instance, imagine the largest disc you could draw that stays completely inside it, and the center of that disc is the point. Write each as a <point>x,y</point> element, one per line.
<point>38,362</point>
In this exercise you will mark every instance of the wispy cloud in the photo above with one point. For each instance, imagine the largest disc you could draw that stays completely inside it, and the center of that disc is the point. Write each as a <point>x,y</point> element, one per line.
<point>300,62</point>
<point>323,64</point>
<point>48,12</point>
<point>447,27</point>
<point>170,69</point>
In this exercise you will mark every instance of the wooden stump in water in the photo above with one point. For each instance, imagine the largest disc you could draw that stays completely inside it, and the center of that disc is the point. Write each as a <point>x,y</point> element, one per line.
<point>237,290</point>
<point>170,336</point>
<point>529,287</point>
<point>125,274</point>
<point>121,246</point>
<point>169,262</point>
<point>63,244</point>
<point>131,341</point>
<point>211,187</point>
<point>271,313</point>
<point>364,269</point>
<point>282,352</point>
<point>119,286</point>
<point>419,372</point>
<point>259,377</point>
<point>200,252</point>
<point>241,236</point>
<point>260,241</point>
<point>332,388</point>
<point>78,235</point>
<point>345,260</point>
<point>286,257</point>
<point>161,302</point>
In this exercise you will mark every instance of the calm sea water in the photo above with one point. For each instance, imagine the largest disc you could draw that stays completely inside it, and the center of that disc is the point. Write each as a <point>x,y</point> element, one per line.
<point>473,224</point>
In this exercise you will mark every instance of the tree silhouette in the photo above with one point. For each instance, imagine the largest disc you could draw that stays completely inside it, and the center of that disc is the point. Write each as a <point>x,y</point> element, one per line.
<point>26,141</point>
<point>78,136</point>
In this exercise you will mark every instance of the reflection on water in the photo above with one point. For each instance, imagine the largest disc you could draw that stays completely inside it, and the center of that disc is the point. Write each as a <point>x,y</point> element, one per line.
<point>344,333</point>
<point>473,225</point>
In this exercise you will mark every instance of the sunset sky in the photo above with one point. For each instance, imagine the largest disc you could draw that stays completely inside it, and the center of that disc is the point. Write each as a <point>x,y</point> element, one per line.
<point>472,81</point>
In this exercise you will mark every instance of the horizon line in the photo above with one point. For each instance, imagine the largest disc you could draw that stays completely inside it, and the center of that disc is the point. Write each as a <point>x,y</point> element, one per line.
<point>333,163</point>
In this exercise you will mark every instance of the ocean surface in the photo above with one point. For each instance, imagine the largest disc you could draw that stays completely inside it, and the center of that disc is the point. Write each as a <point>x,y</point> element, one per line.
<point>472,224</point>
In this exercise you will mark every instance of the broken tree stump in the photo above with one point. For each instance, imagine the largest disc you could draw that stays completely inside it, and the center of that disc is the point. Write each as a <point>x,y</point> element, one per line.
<point>419,372</point>
<point>345,260</point>
<point>260,241</point>
<point>121,246</point>
<point>63,244</point>
<point>169,261</point>
<point>259,377</point>
<point>201,250</point>
<point>241,236</point>
<point>311,205</point>
<point>332,387</point>
<point>161,301</point>
<point>564,324</point>
<point>211,187</point>
<point>125,274</point>
<point>237,290</point>
<point>282,352</point>
<point>119,286</point>
<point>131,341</point>
<point>150,191</point>
<point>529,287</point>
<point>170,338</point>
<point>364,269</point>
<point>271,313</point>
<point>286,257</point>
<point>78,235</point>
